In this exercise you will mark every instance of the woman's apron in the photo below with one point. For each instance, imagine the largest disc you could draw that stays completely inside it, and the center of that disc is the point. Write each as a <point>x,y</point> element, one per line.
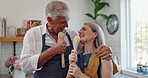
<point>53,69</point>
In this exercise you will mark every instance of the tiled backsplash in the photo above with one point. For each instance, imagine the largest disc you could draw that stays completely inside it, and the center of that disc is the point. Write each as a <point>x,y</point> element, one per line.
<point>6,50</point>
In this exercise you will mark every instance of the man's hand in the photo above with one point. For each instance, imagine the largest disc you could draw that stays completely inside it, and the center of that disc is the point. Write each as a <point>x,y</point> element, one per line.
<point>104,52</point>
<point>59,48</point>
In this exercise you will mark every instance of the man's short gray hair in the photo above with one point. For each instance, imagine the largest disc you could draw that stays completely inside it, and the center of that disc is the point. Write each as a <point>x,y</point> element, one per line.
<point>56,8</point>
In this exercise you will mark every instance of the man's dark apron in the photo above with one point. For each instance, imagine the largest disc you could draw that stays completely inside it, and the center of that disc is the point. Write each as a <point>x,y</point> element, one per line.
<point>53,69</point>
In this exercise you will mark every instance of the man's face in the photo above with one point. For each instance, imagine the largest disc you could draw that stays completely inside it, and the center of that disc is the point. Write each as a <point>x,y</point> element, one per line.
<point>59,24</point>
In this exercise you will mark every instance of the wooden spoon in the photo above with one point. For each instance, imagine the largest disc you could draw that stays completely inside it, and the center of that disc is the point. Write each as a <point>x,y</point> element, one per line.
<point>76,41</point>
<point>61,38</point>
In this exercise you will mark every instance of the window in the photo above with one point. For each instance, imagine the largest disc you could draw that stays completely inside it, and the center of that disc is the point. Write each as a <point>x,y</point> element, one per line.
<point>138,32</point>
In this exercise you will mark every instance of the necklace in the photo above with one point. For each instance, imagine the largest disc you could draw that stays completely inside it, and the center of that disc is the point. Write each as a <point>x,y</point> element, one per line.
<point>86,59</point>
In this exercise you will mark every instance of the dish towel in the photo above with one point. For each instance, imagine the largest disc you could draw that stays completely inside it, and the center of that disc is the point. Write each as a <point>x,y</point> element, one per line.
<point>92,68</point>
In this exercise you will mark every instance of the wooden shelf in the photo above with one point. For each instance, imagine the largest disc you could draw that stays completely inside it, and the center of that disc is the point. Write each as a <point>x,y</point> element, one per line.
<point>11,39</point>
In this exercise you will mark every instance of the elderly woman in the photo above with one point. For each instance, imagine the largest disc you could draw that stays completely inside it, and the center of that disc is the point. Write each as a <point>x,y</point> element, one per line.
<point>88,64</point>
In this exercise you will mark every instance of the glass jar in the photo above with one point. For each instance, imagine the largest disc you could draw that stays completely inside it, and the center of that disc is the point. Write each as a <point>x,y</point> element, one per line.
<point>11,31</point>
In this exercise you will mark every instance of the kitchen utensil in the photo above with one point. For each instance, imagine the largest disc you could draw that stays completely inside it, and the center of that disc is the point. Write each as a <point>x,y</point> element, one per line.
<point>61,38</point>
<point>76,41</point>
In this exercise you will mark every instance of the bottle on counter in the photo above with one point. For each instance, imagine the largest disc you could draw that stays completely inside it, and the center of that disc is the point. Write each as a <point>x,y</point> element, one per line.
<point>139,67</point>
<point>145,69</point>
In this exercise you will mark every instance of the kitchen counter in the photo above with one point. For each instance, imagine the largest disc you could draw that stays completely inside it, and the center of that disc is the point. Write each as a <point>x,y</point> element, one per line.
<point>9,76</point>
<point>30,76</point>
<point>121,76</point>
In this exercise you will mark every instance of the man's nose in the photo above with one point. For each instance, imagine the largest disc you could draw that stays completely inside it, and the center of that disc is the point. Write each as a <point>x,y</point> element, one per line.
<point>65,25</point>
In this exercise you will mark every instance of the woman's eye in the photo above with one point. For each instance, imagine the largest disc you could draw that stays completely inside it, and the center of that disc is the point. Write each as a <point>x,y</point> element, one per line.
<point>84,28</point>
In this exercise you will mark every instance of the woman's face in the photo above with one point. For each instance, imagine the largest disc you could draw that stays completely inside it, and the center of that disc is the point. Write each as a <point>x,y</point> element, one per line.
<point>86,34</point>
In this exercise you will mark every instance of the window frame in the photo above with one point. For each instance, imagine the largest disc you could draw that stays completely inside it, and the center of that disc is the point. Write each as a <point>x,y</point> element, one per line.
<point>126,41</point>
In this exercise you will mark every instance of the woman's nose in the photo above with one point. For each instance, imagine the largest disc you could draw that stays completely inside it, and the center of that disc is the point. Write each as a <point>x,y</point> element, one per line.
<point>79,32</point>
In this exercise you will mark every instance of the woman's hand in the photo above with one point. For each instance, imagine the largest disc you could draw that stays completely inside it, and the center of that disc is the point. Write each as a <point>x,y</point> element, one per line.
<point>104,52</point>
<point>75,71</point>
<point>73,57</point>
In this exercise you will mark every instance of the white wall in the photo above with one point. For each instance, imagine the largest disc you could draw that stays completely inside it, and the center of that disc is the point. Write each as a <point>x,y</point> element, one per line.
<point>112,41</point>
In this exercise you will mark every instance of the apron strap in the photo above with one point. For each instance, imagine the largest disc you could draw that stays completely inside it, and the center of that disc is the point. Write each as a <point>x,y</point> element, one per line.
<point>68,36</point>
<point>43,40</point>
<point>69,39</point>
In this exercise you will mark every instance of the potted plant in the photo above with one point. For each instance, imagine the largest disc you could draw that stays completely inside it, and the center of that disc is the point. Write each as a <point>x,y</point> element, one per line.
<point>98,5</point>
<point>13,65</point>
<point>9,64</point>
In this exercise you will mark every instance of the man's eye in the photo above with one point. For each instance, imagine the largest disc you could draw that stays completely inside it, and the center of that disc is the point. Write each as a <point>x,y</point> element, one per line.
<point>63,22</point>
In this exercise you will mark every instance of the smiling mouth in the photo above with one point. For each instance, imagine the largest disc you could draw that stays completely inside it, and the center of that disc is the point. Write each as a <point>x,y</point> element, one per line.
<point>81,36</point>
<point>61,29</point>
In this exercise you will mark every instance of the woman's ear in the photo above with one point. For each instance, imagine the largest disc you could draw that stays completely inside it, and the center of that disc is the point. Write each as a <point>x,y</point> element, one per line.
<point>95,34</point>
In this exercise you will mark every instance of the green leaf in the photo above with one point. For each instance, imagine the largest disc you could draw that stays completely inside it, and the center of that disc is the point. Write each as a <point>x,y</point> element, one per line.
<point>89,15</point>
<point>11,64</point>
<point>103,15</point>
<point>97,1</point>
<point>100,6</point>
<point>107,4</point>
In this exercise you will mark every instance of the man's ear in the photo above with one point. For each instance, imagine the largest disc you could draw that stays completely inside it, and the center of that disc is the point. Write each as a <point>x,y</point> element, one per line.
<point>49,19</point>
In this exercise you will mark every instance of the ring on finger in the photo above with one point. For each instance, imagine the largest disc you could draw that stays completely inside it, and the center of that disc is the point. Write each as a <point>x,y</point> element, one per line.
<point>111,55</point>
